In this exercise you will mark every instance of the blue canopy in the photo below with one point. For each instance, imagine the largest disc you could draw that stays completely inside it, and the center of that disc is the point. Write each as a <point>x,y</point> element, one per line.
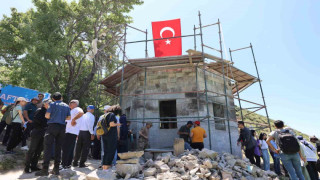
<point>10,93</point>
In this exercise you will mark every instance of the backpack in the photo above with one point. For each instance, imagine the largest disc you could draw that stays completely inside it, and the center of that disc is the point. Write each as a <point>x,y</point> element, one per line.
<point>102,126</point>
<point>288,142</point>
<point>10,117</point>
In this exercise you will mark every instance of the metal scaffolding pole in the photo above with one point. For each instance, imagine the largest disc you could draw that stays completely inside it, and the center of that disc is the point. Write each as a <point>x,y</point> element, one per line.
<point>146,43</point>
<point>195,37</point>
<point>225,86</point>
<point>259,80</point>
<point>144,92</point>
<point>237,88</point>
<point>123,58</point>
<point>205,80</point>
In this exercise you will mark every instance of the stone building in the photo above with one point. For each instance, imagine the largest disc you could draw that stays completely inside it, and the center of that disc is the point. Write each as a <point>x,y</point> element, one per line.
<point>170,91</point>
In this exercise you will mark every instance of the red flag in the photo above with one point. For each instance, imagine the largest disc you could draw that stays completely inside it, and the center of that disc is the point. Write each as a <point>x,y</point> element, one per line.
<point>163,30</point>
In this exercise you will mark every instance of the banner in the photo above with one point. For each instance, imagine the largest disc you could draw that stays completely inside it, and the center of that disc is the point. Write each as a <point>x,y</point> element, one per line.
<point>10,93</point>
<point>166,29</point>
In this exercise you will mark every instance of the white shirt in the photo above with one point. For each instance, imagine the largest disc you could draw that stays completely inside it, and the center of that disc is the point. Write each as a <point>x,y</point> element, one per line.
<point>264,144</point>
<point>87,122</point>
<point>74,129</point>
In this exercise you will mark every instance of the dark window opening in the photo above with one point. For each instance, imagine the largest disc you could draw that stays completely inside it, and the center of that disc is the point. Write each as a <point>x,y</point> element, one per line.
<point>168,111</point>
<point>127,112</point>
<point>219,115</point>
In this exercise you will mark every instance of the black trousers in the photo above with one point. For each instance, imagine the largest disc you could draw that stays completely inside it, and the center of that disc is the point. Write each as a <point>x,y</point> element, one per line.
<point>109,148</point>
<point>82,147</point>
<point>258,160</point>
<point>16,136</point>
<point>68,149</point>
<point>96,149</point>
<point>26,134</point>
<point>250,154</point>
<point>36,147</point>
<point>312,170</point>
<point>197,145</point>
<point>6,136</point>
<point>55,134</point>
<point>122,146</point>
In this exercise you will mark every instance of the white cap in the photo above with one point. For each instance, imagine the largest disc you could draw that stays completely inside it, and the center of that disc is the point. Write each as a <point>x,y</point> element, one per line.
<point>21,99</point>
<point>75,101</point>
<point>106,107</point>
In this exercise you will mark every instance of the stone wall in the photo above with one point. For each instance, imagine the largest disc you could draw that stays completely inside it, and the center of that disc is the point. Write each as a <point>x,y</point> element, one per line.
<point>179,84</point>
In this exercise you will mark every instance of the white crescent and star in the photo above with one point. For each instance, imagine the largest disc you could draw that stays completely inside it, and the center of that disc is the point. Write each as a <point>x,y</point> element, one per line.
<point>167,29</point>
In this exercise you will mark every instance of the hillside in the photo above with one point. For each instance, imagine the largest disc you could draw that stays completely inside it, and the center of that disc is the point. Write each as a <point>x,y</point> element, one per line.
<point>257,118</point>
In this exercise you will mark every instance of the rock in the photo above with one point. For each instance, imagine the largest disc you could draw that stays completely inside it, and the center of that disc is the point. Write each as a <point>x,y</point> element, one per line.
<point>206,153</point>
<point>157,164</point>
<point>124,169</point>
<point>190,165</point>
<point>191,157</point>
<point>101,175</point>
<point>149,172</point>
<point>226,175</point>
<point>241,163</point>
<point>167,175</point>
<point>193,171</point>
<point>164,168</point>
<point>150,178</point>
<point>149,163</point>
<point>214,164</point>
<point>128,161</point>
<point>130,155</point>
<point>271,174</point>
<point>207,163</point>
<point>179,163</point>
<point>148,155</point>
<point>231,162</point>
<point>67,173</point>
<point>178,146</point>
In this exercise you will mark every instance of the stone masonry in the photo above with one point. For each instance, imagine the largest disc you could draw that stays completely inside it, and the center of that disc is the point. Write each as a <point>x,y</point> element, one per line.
<point>180,84</point>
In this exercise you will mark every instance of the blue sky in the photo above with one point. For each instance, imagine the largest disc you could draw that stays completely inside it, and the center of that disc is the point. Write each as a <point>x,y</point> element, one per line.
<point>285,36</point>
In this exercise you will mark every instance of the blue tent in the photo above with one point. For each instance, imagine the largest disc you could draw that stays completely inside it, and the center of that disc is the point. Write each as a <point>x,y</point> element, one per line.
<point>10,93</point>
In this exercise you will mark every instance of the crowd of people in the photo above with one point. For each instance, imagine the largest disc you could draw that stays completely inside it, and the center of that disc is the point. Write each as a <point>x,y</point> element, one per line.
<point>298,156</point>
<point>67,133</point>
<point>64,132</point>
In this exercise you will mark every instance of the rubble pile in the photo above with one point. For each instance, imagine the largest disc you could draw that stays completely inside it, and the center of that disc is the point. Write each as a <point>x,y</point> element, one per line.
<point>195,164</point>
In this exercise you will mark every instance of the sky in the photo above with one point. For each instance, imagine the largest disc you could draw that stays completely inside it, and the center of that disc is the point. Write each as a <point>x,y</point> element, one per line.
<point>285,36</point>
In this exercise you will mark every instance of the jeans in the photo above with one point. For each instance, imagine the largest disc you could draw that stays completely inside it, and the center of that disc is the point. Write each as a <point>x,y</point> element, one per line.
<point>292,163</point>
<point>266,159</point>
<point>276,164</point>
<point>114,161</point>
<point>187,146</point>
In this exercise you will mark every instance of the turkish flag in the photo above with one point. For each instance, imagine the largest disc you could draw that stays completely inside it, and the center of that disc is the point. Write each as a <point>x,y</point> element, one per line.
<point>163,30</point>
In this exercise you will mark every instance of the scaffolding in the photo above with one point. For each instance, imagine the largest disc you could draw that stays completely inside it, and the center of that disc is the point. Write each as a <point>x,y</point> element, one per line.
<point>215,65</point>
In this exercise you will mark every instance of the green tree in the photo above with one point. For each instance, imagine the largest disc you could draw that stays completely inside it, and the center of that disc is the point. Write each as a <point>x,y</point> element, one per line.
<point>60,45</point>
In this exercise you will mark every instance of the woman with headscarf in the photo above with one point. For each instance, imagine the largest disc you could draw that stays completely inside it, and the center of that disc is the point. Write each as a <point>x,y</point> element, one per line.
<point>110,137</point>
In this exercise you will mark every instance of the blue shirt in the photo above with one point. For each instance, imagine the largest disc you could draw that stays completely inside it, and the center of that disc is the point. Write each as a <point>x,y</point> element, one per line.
<point>276,147</point>
<point>59,111</point>
<point>31,109</point>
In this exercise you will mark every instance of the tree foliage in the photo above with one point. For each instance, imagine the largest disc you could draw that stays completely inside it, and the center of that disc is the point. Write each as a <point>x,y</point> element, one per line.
<point>60,45</point>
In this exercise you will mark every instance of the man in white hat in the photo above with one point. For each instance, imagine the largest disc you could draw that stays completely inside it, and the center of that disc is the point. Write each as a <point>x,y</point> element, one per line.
<point>72,131</point>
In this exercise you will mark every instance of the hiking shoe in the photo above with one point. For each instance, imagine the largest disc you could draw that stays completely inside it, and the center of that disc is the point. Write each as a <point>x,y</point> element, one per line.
<point>83,166</point>
<point>9,152</point>
<point>55,171</point>
<point>27,170</point>
<point>75,164</point>
<point>35,169</point>
<point>42,173</point>
<point>24,148</point>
